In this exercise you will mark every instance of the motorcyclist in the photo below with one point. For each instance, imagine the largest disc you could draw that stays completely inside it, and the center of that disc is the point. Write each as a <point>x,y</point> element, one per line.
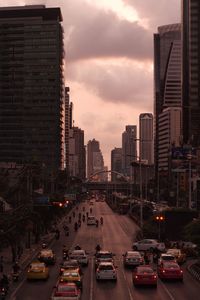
<point>101,220</point>
<point>83,218</point>
<point>4,281</point>
<point>79,222</point>
<point>16,268</point>
<point>77,247</point>
<point>98,248</point>
<point>70,219</point>
<point>65,252</point>
<point>90,209</point>
<point>75,226</point>
<point>97,223</point>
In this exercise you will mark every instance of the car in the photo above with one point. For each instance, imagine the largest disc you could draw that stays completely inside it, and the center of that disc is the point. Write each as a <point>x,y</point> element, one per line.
<point>103,256</point>
<point>71,264</point>
<point>166,257</point>
<point>80,256</point>
<point>148,244</point>
<point>178,254</point>
<point>66,291</point>
<point>47,256</point>
<point>71,276</point>
<point>37,270</point>
<point>170,270</point>
<point>132,259</point>
<point>106,271</point>
<point>91,220</point>
<point>144,275</point>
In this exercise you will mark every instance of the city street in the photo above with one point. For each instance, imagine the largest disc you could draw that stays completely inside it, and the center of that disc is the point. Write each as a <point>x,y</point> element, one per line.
<point>116,234</point>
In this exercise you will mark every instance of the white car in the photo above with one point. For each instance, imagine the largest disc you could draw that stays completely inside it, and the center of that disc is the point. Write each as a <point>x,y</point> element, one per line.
<point>148,244</point>
<point>91,220</point>
<point>106,271</point>
<point>80,256</point>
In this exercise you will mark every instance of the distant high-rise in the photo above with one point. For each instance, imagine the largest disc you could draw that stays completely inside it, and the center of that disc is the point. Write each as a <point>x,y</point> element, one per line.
<point>116,162</point>
<point>146,137</point>
<point>129,149</point>
<point>77,153</point>
<point>191,71</point>
<point>32,86</point>
<point>95,161</point>
<point>67,126</point>
<point>167,78</point>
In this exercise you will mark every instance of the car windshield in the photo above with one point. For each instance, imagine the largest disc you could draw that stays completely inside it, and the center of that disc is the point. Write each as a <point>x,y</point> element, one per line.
<point>46,253</point>
<point>109,267</point>
<point>173,251</point>
<point>144,270</point>
<point>168,257</point>
<point>70,274</point>
<point>37,265</point>
<point>104,255</point>
<point>133,254</point>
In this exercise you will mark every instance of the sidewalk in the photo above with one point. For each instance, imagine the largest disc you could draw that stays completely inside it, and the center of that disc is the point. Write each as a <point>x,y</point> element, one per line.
<point>25,258</point>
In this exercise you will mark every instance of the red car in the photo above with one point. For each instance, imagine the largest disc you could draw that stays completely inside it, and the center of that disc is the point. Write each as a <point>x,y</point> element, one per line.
<point>66,291</point>
<point>144,275</point>
<point>170,270</point>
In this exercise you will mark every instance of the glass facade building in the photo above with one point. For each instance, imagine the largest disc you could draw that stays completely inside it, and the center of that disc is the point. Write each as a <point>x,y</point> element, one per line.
<point>31,86</point>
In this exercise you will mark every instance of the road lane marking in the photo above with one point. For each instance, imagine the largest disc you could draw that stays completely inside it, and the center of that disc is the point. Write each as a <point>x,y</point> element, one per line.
<point>91,281</point>
<point>129,291</point>
<point>167,291</point>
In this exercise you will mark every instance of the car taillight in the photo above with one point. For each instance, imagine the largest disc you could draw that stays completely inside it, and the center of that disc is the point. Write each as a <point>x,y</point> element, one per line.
<point>181,271</point>
<point>98,270</point>
<point>163,271</point>
<point>154,276</point>
<point>136,277</point>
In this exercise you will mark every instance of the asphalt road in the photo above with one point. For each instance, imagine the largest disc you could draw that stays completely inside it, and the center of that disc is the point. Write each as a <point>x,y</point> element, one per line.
<point>116,234</point>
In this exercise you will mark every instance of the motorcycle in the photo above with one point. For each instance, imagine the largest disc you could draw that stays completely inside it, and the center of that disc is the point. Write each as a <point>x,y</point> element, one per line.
<point>3,293</point>
<point>70,219</point>
<point>44,245</point>
<point>65,255</point>
<point>15,276</point>
<point>75,226</point>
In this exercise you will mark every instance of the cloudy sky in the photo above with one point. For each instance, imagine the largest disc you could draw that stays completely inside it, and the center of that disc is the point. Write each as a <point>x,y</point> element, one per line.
<point>109,61</point>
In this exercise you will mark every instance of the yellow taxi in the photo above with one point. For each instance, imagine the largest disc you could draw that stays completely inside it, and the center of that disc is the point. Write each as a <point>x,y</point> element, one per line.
<point>178,254</point>
<point>72,276</point>
<point>37,270</point>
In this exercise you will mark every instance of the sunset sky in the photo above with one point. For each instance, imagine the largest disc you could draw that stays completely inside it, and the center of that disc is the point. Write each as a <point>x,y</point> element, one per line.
<point>109,61</point>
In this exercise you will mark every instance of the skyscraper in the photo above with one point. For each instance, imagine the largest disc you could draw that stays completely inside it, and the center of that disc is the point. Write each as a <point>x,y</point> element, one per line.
<point>116,162</point>
<point>191,71</point>
<point>129,151</point>
<point>31,86</point>
<point>77,154</point>
<point>95,161</point>
<point>146,137</point>
<point>167,78</point>
<point>67,126</point>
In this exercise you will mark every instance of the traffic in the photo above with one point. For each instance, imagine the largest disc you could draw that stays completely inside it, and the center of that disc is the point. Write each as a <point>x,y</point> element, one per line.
<point>102,260</point>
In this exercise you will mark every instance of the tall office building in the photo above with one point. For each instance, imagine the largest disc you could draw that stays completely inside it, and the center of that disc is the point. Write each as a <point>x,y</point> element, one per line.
<point>116,162</point>
<point>146,137</point>
<point>129,149</point>
<point>77,154</point>
<point>167,77</point>
<point>67,126</point>
<point>31,86</point>
<point>92,147</point>
<point>191,71</point>
<point>168,134</point>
